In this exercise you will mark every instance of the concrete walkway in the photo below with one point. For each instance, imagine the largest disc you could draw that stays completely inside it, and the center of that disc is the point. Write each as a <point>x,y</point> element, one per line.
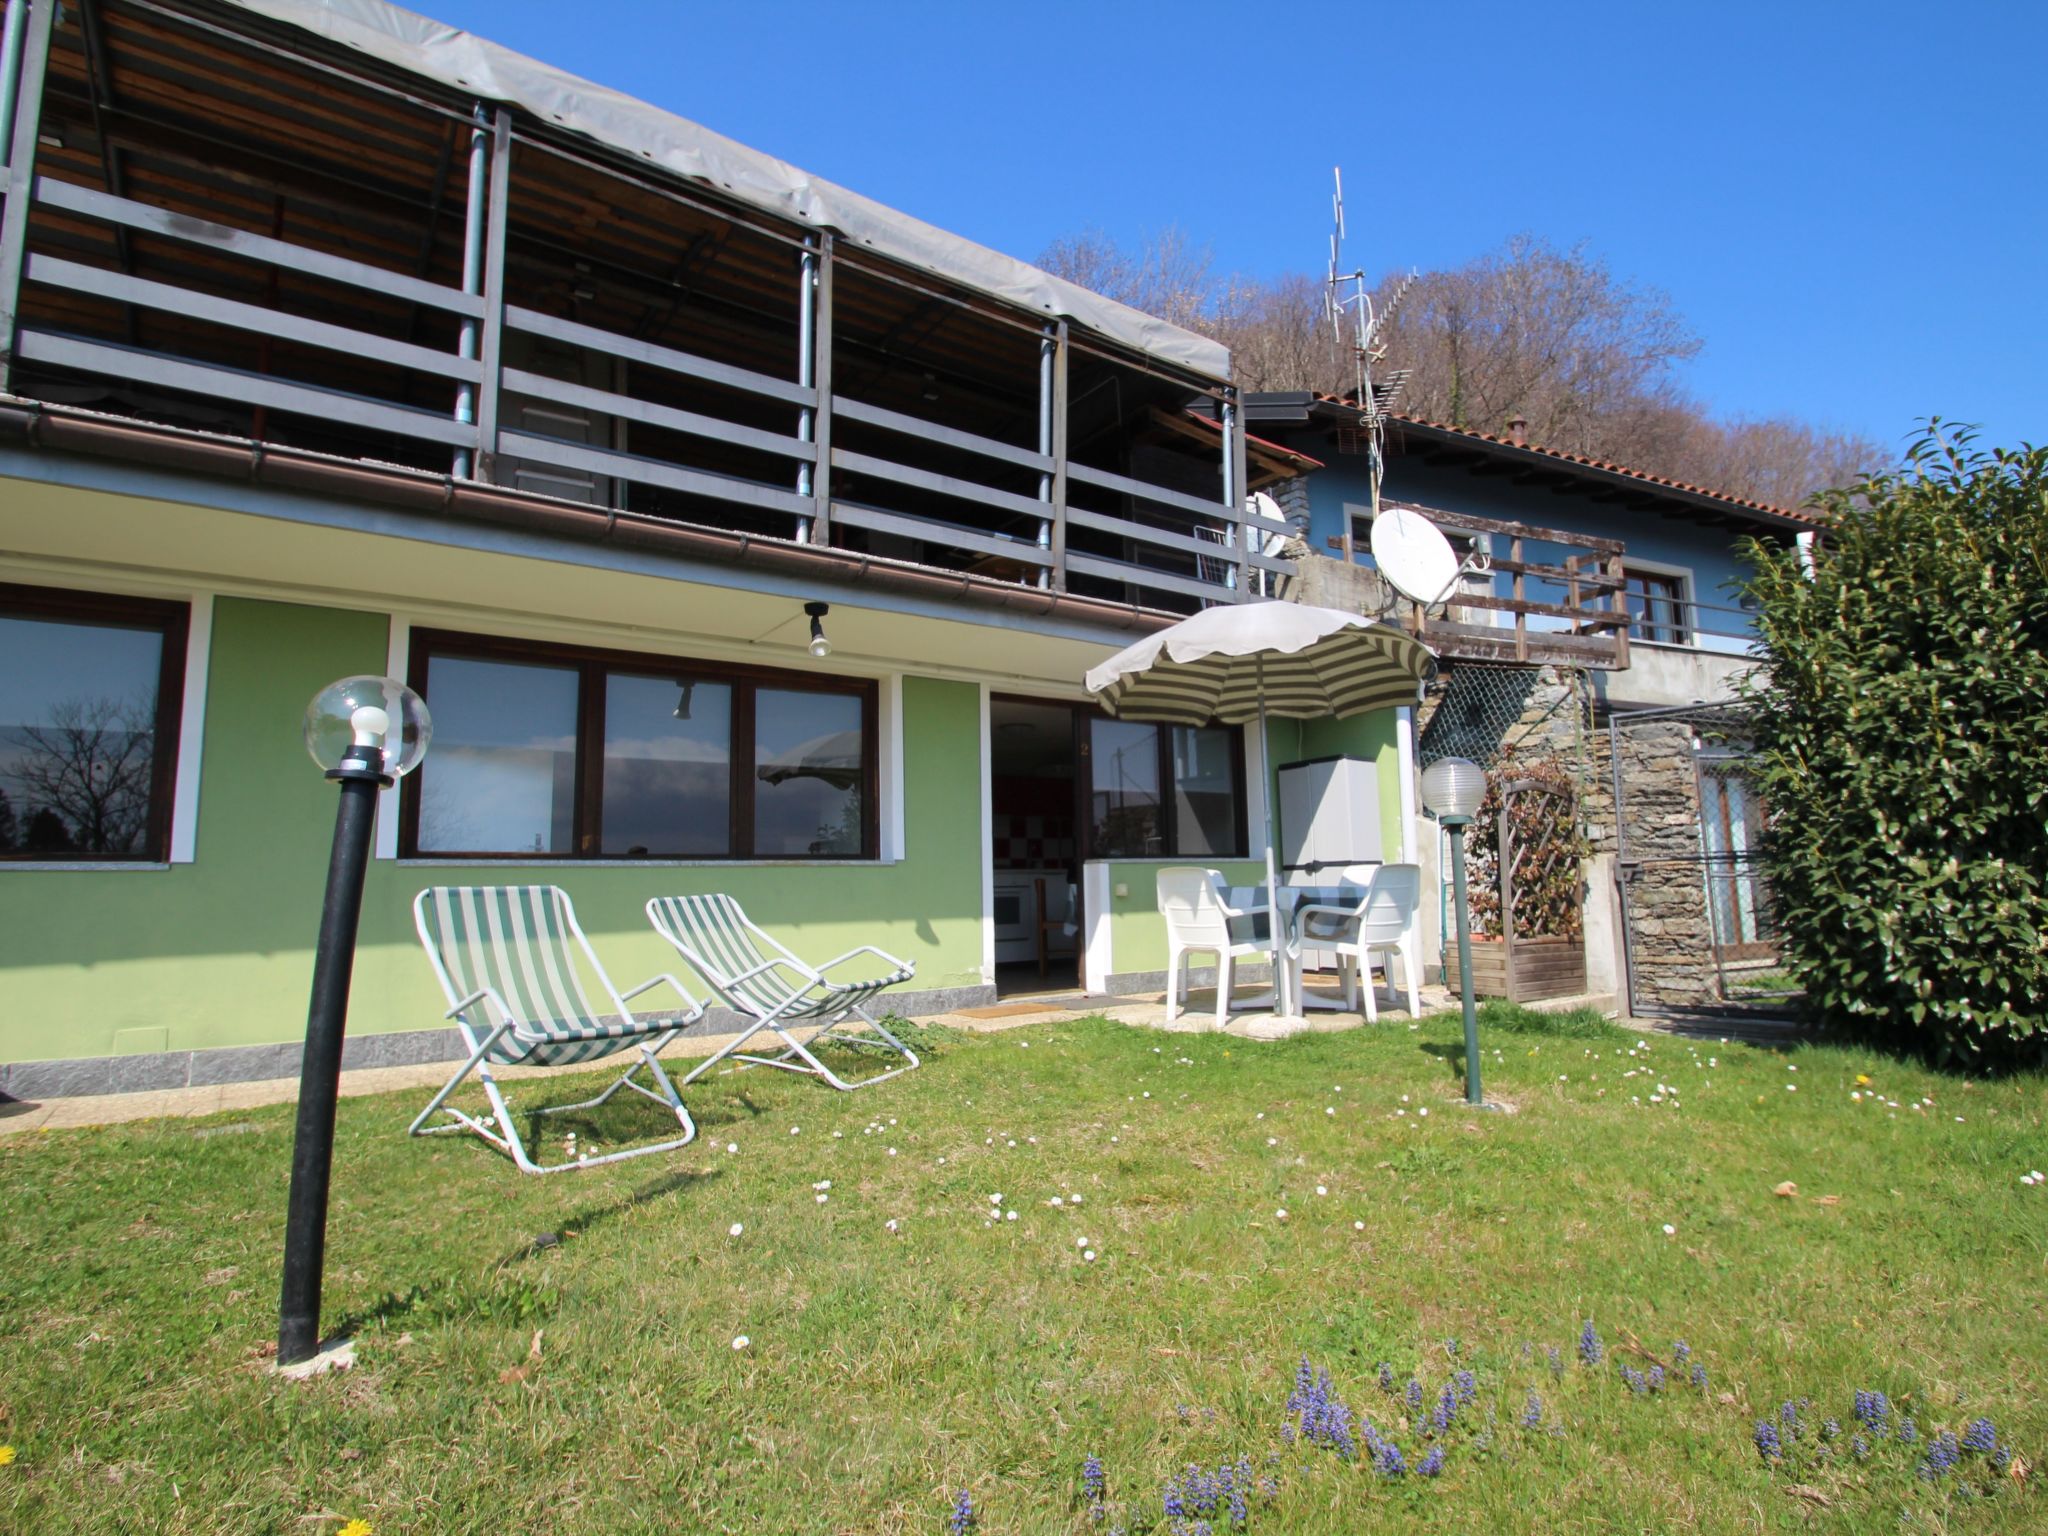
<point>1143,1011</point>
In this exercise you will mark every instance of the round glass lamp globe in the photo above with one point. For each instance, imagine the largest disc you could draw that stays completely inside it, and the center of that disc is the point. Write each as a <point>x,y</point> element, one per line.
<point>1453,787</point>
<point>378,712</point>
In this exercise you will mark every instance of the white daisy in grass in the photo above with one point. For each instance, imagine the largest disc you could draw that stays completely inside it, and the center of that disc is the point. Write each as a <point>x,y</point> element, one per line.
<point>1322,1189</point>
<point>1076,1199</point>
<point>995,1199</point>
<point>732,1146</point>
<point>734,1230</point>
<point>796,1130</point>
<point>1080,1242</point>
<point>1088,1256</point>
<point>822,1184</point>
<point>1358,1226</point>
<point>1009,1215</point>
<point>889,1225</point>
<point>1281,1213</point>
<point>823,1198</point>
<point>741,1341</point>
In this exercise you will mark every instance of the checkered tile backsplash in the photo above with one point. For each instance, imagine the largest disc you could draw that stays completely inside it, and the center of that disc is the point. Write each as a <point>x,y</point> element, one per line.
<point>1034,842</point>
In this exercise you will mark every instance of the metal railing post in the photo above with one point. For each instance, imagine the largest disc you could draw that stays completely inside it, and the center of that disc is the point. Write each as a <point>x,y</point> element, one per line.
<point>821,480</point>
<point>472,273</point>
<point>1058,450</point>
<point>10,64</point>
<point>806,368</point>
<point>496,234</point>
<point>22,126</point>
<point>1233,493</point>
<point>1048,348</point>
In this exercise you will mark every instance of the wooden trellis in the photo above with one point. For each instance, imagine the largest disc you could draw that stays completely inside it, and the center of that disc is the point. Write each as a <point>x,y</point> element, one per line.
<point>1524,868</point>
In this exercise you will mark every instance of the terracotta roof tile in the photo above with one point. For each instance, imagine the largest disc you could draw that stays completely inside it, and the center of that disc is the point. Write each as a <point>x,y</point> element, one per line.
<point>1608,466</point>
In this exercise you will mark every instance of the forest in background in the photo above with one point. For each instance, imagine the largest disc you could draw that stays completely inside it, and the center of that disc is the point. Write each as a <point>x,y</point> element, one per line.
<point>1531,329</point>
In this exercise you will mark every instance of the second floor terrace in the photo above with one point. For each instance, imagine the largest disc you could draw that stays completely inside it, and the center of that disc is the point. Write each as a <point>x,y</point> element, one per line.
<point>344,231</point>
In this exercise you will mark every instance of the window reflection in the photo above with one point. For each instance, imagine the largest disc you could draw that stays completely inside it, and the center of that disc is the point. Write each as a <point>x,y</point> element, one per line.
<point>78,706</point>
<point>667,767</point>
<point>502,775</point>
<point>1124,790</point>
<point>808,774</point>
<point>1204,792</point>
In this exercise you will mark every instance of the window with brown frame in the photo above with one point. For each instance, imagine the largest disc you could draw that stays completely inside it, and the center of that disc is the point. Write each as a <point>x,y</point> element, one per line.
<point>91,687</point>
<point>1658,602</point>
<point>550,751</point>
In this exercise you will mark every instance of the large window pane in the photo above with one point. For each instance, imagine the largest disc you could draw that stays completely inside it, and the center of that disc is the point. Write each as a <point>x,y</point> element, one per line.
<point>501,777</point>
<point>1124,791</point>
<point>808,769</point>
<point>1204,792</point>
<point>78,706</point>
<point>667,767</point>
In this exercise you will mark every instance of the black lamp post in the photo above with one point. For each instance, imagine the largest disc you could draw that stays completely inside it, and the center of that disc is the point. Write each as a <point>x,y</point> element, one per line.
<point>1452,791</point>
<point>349,729</point>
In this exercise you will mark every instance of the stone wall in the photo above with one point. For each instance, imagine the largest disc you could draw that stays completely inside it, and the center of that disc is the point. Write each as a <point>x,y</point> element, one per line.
<point>1670,930</point>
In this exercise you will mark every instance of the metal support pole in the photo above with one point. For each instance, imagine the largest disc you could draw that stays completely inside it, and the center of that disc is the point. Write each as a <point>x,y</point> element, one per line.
<point>1048,349</point>
<point>1233,496</point>
<point>10,61</point>
<point>1058,450</point>
<point>21,130</point>
<point>1464,914</point>
<point>821,479</point>
<point>361,776</point>
<point>806,368</point>
<point>472,273</point>
<point>497,232</point>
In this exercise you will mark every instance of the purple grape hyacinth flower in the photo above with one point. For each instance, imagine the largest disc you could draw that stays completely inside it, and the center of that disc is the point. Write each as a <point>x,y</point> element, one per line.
<point>1556,1360</point>
<point>1699,1376</point>
<point>1859,1447</point>
<point>1446,1410</point>
<point>1093,1486</point>
<point>1386,1377</point>
<point>1872,1410</point>
<point>1679,1352</point>
<point>1768,1445</point>
<point>1591,1350</point>
<point>1942,1457</point>
<point>1908,1432</point>
<point>1414,1394</point>
<point>963,1513</point>
<point>1433,1463</point>
<point>1981,1436</point>
<point>1532,1412</point>
<point>1390,1462</point>
<point>1656,1378</point>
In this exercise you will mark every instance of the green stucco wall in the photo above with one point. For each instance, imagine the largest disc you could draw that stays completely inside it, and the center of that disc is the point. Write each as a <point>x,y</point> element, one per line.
<point>218,952</point>
<point>1137,933</point>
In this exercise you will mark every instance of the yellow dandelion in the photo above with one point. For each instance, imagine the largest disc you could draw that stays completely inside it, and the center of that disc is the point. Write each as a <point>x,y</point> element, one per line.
<point>1862,1079</point>
<point>6,1455</point>
<point>355,1528</point>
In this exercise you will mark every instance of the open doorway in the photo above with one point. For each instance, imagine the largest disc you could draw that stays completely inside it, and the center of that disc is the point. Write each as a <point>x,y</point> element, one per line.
<point>1035,824</point>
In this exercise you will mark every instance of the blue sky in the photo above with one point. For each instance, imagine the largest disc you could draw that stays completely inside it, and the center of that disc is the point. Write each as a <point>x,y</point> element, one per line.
<point>1848,202</point>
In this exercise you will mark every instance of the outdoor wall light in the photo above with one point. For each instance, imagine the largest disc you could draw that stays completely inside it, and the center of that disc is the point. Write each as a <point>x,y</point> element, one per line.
<point>820,646</point>
<point>366,733</point>
<point>682,710</point>
<point>1453,789</point>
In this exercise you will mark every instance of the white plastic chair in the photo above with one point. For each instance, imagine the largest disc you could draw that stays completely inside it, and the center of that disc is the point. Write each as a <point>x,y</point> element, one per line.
<point>507,960</point>
<point>1383,924</point>
<point>1200,921</point>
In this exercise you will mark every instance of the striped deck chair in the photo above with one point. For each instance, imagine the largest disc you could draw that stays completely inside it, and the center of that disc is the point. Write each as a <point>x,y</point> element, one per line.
<point>503,956</point>
<point>755,976</point>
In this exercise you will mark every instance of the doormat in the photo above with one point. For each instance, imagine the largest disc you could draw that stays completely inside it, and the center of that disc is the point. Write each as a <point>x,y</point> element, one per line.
<point>1017,1010</point>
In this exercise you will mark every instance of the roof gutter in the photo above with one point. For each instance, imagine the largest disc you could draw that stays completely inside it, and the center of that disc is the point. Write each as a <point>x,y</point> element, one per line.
<point>54,428</point>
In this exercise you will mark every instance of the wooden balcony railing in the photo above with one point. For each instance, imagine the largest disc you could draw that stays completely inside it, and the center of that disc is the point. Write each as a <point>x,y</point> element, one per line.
<point>433,373</point>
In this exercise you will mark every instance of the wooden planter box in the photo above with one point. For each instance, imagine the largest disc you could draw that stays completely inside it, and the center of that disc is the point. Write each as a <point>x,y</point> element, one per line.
<point>1541,968</point>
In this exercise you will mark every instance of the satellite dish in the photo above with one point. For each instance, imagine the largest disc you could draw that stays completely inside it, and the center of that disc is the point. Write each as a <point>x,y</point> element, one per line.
<point>1267,510</point>
<point>1415,557</point>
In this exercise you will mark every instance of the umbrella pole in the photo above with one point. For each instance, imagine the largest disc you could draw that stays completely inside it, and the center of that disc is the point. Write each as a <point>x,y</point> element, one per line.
<point>1274,923</point>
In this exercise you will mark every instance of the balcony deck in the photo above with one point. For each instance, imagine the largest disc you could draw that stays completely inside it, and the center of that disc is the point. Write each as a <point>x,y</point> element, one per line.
<point>215,221</point>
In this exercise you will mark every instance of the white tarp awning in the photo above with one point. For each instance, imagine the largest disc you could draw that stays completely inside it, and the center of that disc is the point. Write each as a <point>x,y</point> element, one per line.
<point>463,62</point>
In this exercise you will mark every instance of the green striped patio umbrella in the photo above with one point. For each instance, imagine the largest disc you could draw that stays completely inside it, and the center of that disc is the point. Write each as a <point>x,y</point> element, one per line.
<point>1243,661</point>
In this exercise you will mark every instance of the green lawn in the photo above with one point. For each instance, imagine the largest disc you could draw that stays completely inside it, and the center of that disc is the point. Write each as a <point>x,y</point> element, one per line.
<point>884,1372</point>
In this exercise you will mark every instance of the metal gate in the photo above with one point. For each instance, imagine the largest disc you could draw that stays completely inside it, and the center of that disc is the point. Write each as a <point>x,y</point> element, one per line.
<point>1699,928</point>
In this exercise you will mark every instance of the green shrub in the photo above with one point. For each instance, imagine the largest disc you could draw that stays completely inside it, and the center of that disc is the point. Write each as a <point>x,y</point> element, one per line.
<point>1903,751</point>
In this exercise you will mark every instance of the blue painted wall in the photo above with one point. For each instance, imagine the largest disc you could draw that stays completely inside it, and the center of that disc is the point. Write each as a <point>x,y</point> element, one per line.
<point>1708,555</point>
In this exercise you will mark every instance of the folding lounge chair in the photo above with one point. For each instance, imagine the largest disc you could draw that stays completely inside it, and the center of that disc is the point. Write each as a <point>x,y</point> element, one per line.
<point>755,976</point>
<point>502,955</point>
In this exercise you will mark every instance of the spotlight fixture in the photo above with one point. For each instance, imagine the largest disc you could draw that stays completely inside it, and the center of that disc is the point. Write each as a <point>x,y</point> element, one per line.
<point>820,646</point>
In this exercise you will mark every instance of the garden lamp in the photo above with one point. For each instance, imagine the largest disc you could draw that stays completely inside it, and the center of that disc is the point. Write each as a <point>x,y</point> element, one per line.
<point>1452,790</point>
<point>366,732</point>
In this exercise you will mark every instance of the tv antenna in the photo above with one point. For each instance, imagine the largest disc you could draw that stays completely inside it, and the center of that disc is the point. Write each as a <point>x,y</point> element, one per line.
<point>1356,312</point>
